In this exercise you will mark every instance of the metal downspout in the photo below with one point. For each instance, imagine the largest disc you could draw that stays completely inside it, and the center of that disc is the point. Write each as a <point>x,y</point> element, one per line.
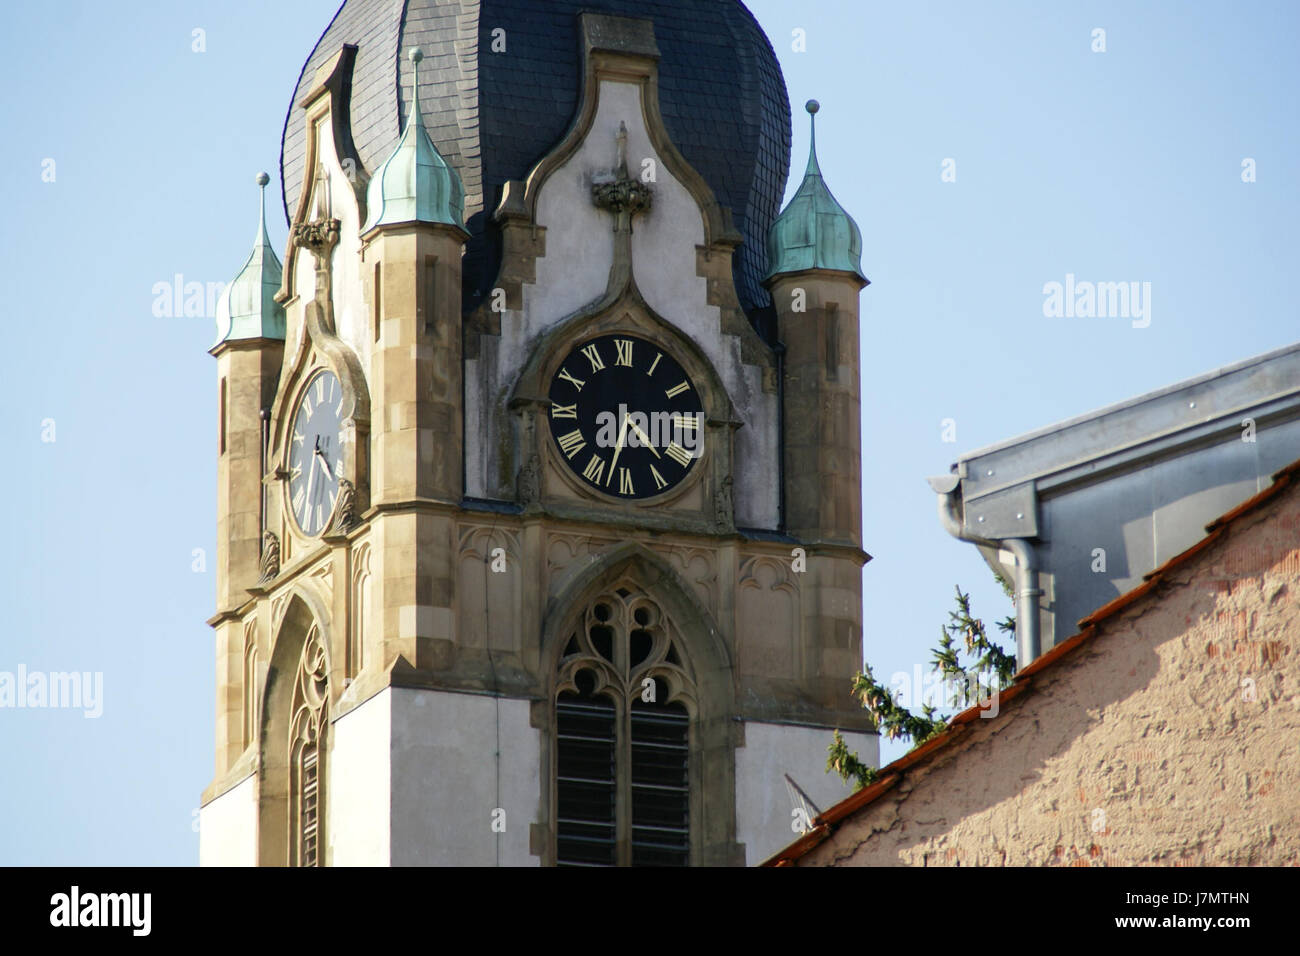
<point>950,516</point>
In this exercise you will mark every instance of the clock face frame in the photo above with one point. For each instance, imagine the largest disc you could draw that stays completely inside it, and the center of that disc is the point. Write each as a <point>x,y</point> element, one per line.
<point>626,419</point>
<point>315,454</point>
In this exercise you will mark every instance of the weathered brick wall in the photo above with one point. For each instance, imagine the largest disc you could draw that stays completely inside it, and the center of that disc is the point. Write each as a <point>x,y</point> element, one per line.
<point>1171,738</point>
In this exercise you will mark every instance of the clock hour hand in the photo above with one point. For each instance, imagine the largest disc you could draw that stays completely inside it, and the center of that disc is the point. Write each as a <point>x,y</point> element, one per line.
<point>324,464</point>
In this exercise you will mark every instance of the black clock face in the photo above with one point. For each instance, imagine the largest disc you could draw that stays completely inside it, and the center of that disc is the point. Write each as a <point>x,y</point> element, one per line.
<point>315,455</point>
<point>625,417</point>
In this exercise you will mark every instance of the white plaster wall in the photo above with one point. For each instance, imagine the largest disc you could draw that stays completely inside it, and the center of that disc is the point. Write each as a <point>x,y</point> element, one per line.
<point>447,779</point>
<point>357,798</point>
<point>228,827</point>
<point>763,807</point>
<point>575,272</point>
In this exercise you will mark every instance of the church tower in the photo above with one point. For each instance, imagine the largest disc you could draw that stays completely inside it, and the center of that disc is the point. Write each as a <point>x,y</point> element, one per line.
<point>539,506</point>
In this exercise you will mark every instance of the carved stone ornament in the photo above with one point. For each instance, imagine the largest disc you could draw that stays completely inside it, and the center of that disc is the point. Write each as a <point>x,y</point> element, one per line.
<point>530,481</point>
<point>270,557</point>
<point>722,507</point>
<point>345,517</point>
<point>320,233</point>
<point>623,194</point>
<point>317,237</point>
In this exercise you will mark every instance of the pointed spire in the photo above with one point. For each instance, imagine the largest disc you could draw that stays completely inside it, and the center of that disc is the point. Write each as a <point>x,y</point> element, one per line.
<point>415,184</point>
<point>262,239</point>
<point>814,231</point>
<point>247,308</point>
<point>812,106</point>
<point>415,115</point>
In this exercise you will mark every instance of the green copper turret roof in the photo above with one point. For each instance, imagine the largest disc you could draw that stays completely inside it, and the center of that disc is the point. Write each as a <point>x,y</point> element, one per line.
<point>814,231</point>
<point>415,184</point>
<point>247,308</point>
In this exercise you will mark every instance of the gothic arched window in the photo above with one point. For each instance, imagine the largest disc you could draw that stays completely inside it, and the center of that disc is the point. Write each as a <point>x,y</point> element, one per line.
<point>623,710</point>
<point>307,754</point>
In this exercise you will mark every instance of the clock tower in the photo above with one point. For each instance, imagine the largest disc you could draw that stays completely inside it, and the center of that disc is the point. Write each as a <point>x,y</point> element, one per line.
<point>539,507</point>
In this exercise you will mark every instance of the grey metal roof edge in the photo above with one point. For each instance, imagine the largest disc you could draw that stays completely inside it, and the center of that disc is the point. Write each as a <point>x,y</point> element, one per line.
<point>1185,385</point>
<point>1162,445</point>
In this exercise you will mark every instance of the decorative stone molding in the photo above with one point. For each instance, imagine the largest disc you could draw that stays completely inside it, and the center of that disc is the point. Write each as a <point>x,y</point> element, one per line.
<point>345,510</point>
<point>270,566</point>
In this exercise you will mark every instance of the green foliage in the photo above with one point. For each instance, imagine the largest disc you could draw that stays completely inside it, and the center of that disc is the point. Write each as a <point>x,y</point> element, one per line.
<point>987,669</point>
<point>847,765</point>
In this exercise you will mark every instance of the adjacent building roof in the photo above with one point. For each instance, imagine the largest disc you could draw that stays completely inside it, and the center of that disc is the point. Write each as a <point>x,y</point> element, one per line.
<point>1105,497</point>
<point>826,823</point>
<point>500,84</point>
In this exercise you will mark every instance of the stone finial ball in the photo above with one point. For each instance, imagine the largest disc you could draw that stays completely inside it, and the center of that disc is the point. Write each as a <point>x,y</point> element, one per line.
<point>416,54</point>
<point>262,179</point>
<point>812,106</point>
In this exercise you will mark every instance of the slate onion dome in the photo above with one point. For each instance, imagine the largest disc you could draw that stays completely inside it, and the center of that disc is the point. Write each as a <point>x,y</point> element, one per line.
<point>500,85</point>
<point>247,308</point>
<point>814,231</point>
<point>415,184</point>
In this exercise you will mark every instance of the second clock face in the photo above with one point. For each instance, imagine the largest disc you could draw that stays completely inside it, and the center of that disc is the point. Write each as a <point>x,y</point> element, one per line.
<point>315,455</point>
<point>625,417</point>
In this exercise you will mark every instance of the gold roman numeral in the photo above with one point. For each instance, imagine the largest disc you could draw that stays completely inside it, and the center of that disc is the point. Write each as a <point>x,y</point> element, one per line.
<point>654,363</point>
<point>625,482</point>
<point>572,443</point>
<point>298,497</point>
<point>576,382</point>
<point>678,454</point>
<point>687,423</point>
<point>595,468</point>
<point>624,348</point>
<point>306,405</point>
<point>593,356</point>
<point>659,479</point>
<point>297,437</point>
<point>564,411</point>
<point>320,390</point>
<point>677,389</point>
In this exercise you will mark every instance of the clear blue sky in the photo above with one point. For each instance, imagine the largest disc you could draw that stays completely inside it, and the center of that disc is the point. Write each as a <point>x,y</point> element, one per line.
<point>1123,165</point>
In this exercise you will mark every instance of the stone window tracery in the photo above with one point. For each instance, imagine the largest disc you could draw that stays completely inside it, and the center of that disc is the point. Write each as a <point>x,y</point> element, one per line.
<point>307,753</point>
<point>623,723</point>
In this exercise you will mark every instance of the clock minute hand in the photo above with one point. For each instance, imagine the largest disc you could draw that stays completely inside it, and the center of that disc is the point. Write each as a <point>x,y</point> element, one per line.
<point>311,478</point>
<point>618,449</point>
<point>644,439</point>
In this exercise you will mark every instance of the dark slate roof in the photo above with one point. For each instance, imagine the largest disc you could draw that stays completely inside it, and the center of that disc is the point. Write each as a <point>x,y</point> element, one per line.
<point>494,115</point>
